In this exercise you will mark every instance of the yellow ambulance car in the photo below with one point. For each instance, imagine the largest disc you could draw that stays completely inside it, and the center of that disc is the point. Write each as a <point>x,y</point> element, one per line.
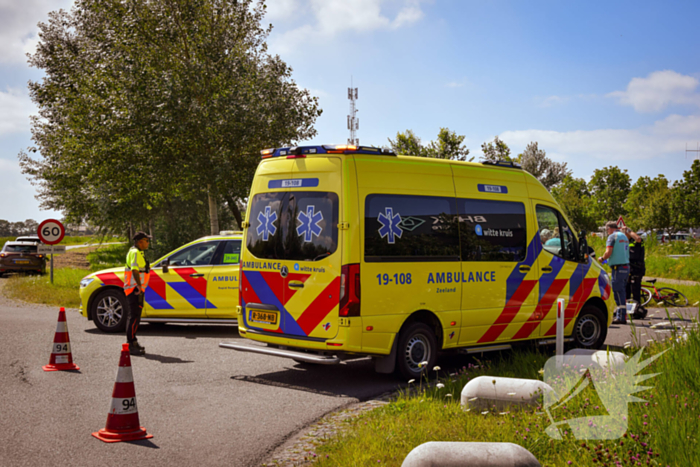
<point>196,283</point>
<point>355,251</point>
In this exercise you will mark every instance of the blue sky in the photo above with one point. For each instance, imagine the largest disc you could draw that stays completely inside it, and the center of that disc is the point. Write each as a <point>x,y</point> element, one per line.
<point>594,83</point>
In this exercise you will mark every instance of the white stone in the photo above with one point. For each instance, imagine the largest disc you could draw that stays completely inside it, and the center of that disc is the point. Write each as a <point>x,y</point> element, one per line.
<point>485,392</point>
<point>463,454</point>
<point>601,357</point>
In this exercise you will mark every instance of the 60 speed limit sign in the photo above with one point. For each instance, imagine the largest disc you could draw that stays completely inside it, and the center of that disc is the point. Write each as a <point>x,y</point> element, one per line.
<point>51,231</point>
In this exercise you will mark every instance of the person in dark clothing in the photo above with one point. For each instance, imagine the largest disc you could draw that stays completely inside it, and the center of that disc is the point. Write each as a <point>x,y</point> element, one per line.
<point>637,271</point>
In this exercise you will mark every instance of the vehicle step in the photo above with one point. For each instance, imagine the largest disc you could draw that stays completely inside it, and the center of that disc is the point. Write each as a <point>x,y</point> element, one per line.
<point>285,353</point>
<point>190,321</point>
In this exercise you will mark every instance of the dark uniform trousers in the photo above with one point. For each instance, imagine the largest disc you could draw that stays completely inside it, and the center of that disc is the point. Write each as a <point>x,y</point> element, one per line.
<point>135,302</point>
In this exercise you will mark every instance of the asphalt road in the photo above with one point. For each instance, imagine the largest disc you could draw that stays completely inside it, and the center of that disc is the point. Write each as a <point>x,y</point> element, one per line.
<point>203,404</point>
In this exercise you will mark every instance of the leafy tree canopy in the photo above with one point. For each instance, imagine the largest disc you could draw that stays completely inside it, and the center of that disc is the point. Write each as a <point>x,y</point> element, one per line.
<point>496,150</point>
<point>447,146</point>
<point>609,188</point>
<point>544,169</point>
<point>575,199</point>
<point>148,102</point>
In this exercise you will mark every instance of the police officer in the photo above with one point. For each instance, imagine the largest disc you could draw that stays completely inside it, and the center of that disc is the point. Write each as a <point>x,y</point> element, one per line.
<point>136,275</point>
<point>637,271</point>
<point>617,251</point>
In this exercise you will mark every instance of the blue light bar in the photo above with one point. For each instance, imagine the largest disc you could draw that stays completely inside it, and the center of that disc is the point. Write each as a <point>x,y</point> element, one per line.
<point>302,151</point>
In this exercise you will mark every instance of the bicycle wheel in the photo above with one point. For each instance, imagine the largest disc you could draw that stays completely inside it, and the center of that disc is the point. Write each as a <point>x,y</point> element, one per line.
<point>645,296</point>
<point>671,297</point>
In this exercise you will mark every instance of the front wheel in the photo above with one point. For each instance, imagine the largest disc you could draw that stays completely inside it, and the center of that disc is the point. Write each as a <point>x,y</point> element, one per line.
<point>109,311</point>
<point>416,350</point>
<point>672,297</point>
<point>590,329</point>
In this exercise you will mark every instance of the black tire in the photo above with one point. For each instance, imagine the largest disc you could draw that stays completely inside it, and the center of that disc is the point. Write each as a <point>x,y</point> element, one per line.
<point>417,344</point>
<point>645,296</point>
<point>672,297</point>
<point>109,311</point>
<point>590,329</point>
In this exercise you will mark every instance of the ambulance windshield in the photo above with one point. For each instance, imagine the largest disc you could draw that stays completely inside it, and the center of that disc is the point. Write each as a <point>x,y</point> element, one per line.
<point>298,226</point>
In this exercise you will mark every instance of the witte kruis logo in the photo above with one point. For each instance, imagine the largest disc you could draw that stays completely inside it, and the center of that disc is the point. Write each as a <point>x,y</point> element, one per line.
<point>589,400</point>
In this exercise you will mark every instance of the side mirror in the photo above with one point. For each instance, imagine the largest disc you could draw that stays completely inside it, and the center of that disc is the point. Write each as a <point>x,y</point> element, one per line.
<point>165,263</point>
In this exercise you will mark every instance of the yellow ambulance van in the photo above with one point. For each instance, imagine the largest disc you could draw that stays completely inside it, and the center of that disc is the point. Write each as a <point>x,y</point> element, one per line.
<point>354,251</point>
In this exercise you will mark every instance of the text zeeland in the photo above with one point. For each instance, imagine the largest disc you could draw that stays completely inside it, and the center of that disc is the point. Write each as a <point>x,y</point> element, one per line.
<point>457,277</point>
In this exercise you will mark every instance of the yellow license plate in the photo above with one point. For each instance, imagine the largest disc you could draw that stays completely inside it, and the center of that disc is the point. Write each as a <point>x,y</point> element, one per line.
<point>21,261</point>
<point>266,317</point>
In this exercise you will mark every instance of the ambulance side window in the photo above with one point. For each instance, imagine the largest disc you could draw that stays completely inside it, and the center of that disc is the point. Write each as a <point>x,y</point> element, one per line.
<point>555,234</point>
<point>492,230</point>
<point>410,228</point>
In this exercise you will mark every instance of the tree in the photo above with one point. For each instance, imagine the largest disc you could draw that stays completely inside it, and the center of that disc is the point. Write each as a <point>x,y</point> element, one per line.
<point>544,169</point>
<point>496,151</point>
<point>447,146</point>
<point>149,103</point>
<point>575,199</point>
<point>649,204</point>
<point>609,188</point>
<point>687,195</point>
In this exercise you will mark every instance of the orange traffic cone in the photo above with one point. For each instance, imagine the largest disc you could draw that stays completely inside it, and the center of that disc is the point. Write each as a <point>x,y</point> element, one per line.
<point>123,416</point>
<point>61,356</point>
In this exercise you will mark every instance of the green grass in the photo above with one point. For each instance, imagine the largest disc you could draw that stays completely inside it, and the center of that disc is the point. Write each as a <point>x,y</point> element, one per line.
<point>111,256</point>
<point>38,289</point>
<point>663,430</point>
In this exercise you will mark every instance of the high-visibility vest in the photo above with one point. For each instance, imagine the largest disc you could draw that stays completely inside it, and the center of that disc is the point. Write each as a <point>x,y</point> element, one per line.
<point>136,264</point>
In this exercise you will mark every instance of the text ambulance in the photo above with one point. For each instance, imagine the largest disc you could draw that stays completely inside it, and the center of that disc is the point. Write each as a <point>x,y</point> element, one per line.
<point>355,251</point>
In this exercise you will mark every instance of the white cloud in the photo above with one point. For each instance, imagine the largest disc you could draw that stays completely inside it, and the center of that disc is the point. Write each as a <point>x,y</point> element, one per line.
<point>15,186</point>
<point>554,100</point>
<point>18,26</point>
<point>15,108</point>
<point>667,136</point>
<point>659,90</point>
<point>332,17</point>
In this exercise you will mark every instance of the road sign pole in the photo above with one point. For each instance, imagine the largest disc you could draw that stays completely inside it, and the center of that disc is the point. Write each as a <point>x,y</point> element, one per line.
<point>51,264</point>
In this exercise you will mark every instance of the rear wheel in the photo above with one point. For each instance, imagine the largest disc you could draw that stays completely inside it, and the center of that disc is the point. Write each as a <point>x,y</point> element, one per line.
<point>590,329</point>
<point>672,297</point>
<point>109,311</point>
<point>416,351</point>
<point>645,296</point>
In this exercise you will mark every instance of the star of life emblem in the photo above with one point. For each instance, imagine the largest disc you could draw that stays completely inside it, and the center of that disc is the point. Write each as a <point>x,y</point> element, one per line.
<point>390,225</point>
<point>266,226</point>
<point>309,223</point>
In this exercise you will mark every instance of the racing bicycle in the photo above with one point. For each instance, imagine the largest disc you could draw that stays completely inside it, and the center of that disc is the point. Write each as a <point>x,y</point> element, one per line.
<point>664,296</point>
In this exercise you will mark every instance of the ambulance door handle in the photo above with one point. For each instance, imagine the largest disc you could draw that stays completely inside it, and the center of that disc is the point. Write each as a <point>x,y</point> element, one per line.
<point>524,268</point>
<point>547,269</point>
<point>196,275</point>
<point>296,285</point>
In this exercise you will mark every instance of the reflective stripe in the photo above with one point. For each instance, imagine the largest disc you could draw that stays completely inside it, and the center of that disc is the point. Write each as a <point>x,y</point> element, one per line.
<point>123,406</point>
<point>61,326</point>
<point>124,375</point>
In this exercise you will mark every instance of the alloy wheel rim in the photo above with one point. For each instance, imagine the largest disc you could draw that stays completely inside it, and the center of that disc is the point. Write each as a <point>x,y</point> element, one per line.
<point>109,311</point>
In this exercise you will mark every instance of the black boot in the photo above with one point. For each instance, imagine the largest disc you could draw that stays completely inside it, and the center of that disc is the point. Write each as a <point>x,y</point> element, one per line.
<point>136,349</point>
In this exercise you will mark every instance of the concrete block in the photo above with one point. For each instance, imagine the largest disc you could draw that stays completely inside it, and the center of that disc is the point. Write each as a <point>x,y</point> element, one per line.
<point>485,392</point>
<point>601,357</point>
<point>456,454</point>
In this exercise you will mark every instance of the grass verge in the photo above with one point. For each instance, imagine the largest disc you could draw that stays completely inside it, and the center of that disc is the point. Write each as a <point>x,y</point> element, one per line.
<point>38,289</point>
<point>662,430</point>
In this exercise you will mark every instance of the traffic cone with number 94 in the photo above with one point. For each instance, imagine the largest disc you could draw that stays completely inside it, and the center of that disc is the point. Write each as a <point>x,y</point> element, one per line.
<point>61,356</point>
<point>123,417</point>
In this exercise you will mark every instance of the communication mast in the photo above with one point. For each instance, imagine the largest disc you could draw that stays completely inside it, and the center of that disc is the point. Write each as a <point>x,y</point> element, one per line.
<point>353,121</point>
<point>696,151</point>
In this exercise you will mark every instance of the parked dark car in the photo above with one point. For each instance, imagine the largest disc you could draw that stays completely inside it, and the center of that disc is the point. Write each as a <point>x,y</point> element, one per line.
<point>21,257</point>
